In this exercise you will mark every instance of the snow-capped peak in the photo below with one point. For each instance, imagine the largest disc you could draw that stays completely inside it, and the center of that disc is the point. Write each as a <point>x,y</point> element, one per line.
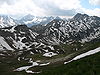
<point>6,21</point>
<point>28,17</point>
<point>31,20</point>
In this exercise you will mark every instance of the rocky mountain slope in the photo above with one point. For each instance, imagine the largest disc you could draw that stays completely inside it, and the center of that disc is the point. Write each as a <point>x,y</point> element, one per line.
<point>41,39</point>
<point>23,38</point>
<point>81,28</point>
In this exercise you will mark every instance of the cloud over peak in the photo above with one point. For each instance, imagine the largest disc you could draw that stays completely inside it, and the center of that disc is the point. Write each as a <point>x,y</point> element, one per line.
<point>43,7</point>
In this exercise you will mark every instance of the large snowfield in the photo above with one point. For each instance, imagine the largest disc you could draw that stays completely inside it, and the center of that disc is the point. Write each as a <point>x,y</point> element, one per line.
<point>85,54</point>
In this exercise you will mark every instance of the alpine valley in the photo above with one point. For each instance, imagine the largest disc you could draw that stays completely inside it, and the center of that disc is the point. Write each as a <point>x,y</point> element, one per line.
<point>37,45</point>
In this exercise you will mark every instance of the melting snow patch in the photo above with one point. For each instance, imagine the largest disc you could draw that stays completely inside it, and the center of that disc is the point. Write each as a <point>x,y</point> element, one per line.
<point>31,53</point>
<point>49,54</point>
<point>18,58</point>
<point>25,68</point>
<point>28,71</point>
<point>35,64</point>
<point>68,62</point>
<point>44,64</point>
<point>51,47</point>
<point>85,54</point>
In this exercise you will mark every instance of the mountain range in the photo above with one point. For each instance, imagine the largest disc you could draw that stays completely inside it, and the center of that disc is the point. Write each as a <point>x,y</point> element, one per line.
<point>43,38</point>
<point>29,20</point>
<point>81,28</point>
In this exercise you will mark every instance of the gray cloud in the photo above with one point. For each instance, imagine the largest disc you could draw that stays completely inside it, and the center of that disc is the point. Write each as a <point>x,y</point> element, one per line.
<point>49,6</point>
<point>9,2</point>
<point>46,7</point>
<point>52,9</point>
<point>60,12</point>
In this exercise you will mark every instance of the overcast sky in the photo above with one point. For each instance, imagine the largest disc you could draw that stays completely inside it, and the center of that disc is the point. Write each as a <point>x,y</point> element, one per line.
<point>19,8</point>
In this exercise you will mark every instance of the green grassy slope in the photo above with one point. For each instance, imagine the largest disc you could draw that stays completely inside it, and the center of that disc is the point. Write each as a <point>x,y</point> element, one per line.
<point>89,65</point>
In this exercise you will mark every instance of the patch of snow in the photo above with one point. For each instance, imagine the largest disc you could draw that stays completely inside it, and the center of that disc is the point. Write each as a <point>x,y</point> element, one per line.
<point>31,52</point>
<point>22,32</point>
<point>41,44</point>
<point>18,58</point>
<point>38,61</point>
<point>44,64</point>
<point>23,68</point>
<point>29,71</point>
<point>30,60</point>
<point>2,54</point>
<point>68,62</point>
<point>49,54</point>
<point>26,67</point>
<point>51,47</point>
<point>12,29</point>
<point>45,50</point>
<point>35,64</point>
